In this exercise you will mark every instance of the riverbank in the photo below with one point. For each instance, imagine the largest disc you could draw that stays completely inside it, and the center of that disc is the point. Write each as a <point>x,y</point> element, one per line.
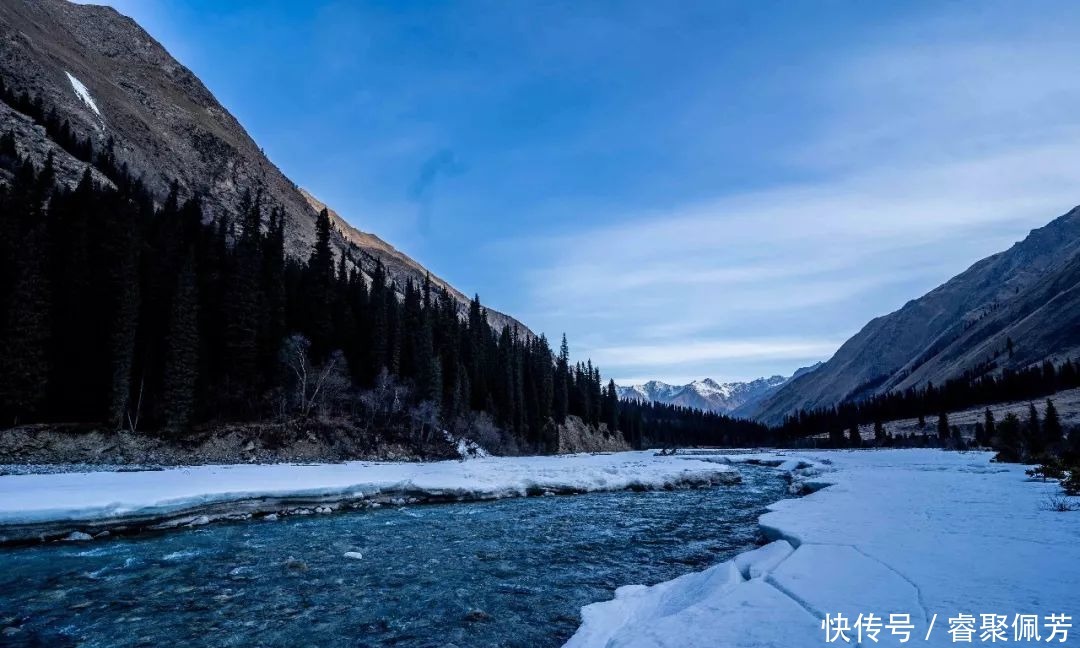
<point>317,440</point>
<point>86,505</point>
<point>919,532</point>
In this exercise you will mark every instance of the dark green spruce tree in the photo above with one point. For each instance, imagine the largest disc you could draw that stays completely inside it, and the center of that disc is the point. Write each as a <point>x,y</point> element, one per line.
<point>1051,426</point>
<point>24,357</point>
<point>561,387</point>
<point>182,356</point>
<point>611,407</point>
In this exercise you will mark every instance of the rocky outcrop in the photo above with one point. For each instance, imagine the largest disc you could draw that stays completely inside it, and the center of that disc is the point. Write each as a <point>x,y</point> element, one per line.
<point>576,436</point>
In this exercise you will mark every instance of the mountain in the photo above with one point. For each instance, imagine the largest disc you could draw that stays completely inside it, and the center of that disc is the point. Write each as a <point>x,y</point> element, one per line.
<point>707,394</point>
<point>1007,311</point>
<point>113,83</point>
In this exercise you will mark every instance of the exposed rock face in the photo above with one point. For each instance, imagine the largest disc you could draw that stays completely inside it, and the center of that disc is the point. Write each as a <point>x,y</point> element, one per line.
<point>1030,294</point>
<point>32,141</point>
<point>576,436</point>
<point>101,71</point>
<point>319,441</point>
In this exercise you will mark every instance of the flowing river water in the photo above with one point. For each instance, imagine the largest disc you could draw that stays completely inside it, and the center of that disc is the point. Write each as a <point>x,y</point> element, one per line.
<point>511,573</point>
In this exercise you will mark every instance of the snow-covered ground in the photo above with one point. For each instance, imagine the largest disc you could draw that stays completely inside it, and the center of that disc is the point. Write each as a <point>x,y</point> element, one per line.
<point>918,532</point>
<point>57,504</point>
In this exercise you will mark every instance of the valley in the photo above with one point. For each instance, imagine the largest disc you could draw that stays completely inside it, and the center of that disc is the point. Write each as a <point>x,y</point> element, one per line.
<point>238,407</point>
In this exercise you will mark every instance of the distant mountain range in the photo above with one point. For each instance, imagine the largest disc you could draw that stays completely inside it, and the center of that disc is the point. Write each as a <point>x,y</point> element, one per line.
<point>709,395</point>
<point>1008,311</point>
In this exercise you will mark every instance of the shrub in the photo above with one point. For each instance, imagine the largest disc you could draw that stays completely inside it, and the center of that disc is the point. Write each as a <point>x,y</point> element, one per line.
<point>1060,504</point>
<point>1049,468</point>
<point>1072,483</point>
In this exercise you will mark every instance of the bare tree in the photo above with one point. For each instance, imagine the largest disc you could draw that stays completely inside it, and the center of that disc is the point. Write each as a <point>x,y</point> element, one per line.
<point>133,424</point>
<point>313,384</point>
<point>385,401</point>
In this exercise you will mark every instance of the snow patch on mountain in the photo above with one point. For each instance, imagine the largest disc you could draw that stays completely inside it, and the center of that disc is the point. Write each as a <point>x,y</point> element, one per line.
<point>82,93</point>
<point>654,390</point>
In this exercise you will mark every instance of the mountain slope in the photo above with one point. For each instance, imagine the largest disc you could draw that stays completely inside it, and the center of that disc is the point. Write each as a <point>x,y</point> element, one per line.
<point>367,248</point>
<point>1027,293</point>
<point>112,81</point>
<point>706,394</point>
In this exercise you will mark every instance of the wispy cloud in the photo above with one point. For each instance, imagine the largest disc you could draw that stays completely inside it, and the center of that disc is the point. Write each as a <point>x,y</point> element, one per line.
<point>422,191</point>
<point>691,351</point>
<point>926,160</point>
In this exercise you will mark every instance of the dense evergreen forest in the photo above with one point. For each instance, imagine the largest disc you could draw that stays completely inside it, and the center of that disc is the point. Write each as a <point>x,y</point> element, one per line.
<point>974,388</point>
<point>134,313</point>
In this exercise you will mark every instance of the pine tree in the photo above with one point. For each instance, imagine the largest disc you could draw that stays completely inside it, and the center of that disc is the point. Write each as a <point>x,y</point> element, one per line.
<point>24,368</point>
<point>943,427</point>
<point>595,400</point>
<point>545,368</point>
<point>320,280</point>
<point>272,321</point>
<point>1051,426</point>
<point>957,438</point>
<point>562,382</point>
<point>1032,435</point>
<point>182,357</point>
<point>612,408</point>
<point>991,430</point>
<point>1071,484</point>
<point>123,286</point>
<point>429,369</point>
<point>379,328</point>
<point>243,314</point>
<point>1009,442</point>
<point>879,432</point>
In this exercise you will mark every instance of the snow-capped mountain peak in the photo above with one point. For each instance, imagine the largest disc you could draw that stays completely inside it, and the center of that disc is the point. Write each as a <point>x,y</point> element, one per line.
<point>705,394</point>
<point>709,386</point>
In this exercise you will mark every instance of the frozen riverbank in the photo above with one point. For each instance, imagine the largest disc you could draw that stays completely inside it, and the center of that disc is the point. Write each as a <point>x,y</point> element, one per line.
<point>919,532</point>
<point>52,506</point>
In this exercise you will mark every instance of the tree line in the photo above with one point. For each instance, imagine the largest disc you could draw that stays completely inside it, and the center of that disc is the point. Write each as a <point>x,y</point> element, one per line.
<point>973,388</point>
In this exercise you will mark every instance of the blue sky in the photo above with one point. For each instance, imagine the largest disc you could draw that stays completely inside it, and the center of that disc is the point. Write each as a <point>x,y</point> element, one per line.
<point>689,189</point>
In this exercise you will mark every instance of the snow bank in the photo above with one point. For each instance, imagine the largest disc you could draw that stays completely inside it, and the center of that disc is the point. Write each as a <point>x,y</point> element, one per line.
<point>36,505</point>
<point>921,532</point>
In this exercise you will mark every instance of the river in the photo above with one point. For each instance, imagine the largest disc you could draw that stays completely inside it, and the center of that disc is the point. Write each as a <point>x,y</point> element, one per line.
<point>511,573</point>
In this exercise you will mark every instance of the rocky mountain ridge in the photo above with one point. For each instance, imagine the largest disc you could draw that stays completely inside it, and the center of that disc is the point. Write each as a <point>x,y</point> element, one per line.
<point>706,394</point>
<point>1010,310</point>
<point>114,83</point>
